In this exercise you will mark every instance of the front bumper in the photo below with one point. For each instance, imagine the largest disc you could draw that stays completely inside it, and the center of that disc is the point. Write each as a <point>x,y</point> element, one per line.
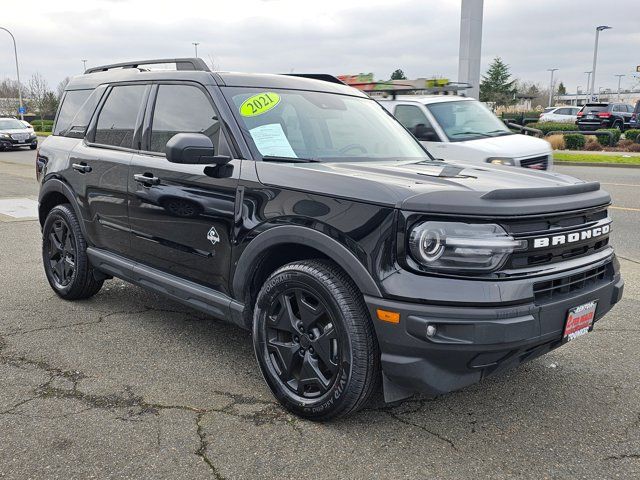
<point>13,143</point>
<point>474,341</point>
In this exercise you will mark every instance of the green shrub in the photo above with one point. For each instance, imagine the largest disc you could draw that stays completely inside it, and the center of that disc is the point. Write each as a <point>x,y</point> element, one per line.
<point>547,127</point>
<point>574,141</point>
<point>632,134</point>
<point>605,141</point>
<point>39,124</point>
<point>44,128</point>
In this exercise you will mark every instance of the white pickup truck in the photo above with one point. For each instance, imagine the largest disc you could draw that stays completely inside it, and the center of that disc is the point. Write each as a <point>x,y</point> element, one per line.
<point>463,129</point>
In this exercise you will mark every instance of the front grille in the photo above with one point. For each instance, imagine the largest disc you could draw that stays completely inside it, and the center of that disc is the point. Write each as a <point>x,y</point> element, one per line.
<point>556,225</point>
<point>536,163</point>
<point>550,289</point>
<point>19,136</point>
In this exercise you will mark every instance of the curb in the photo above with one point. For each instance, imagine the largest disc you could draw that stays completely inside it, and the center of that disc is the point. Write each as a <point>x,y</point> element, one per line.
<point>596,164</point>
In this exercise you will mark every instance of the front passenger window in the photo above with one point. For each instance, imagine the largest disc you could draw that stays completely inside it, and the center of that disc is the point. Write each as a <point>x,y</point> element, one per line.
<point>182,109</point>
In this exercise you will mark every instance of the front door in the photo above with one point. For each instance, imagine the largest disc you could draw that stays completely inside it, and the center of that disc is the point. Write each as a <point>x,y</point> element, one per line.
<point>181,217</point>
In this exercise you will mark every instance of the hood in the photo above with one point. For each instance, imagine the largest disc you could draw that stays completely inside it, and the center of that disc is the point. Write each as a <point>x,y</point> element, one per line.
<point>514,146</point>
<point>439,187</point>
<point>16,130</point>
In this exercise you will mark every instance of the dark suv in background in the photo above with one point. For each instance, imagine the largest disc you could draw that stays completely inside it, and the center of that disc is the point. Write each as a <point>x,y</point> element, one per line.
<point>604,115</point>
<point>635,116</point>
<point>298,208</point>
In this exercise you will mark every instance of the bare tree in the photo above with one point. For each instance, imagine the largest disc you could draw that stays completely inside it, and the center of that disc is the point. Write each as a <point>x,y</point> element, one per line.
<point>9,97</point>
<point>61,86</point>
<point>38,89</point>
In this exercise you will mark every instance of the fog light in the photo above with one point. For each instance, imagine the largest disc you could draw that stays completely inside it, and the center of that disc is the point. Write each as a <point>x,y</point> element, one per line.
<point>431,331</point>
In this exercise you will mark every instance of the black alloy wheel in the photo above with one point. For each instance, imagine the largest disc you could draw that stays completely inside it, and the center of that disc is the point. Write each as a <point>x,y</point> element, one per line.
<point>64,255</point>
<point>302,342</point>
<point>314,340</point>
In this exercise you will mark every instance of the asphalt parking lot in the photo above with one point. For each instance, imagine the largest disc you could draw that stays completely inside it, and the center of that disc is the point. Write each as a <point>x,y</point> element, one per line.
<point>130,385</point>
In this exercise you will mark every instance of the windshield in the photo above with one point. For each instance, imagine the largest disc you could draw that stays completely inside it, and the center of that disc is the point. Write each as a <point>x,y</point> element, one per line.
<point>295,124</point>
<point>467,120</point>
<point>10,123</point>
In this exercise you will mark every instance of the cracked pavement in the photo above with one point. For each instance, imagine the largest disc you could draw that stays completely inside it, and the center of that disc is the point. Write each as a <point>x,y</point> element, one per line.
<point>131,385</point>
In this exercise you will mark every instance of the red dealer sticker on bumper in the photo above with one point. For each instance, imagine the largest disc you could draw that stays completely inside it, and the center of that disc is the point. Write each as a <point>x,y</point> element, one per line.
<point>579,320</point>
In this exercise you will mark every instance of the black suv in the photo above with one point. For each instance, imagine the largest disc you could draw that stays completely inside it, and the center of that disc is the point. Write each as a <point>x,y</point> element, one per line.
<point>604,115</point>
<point>299,208</point>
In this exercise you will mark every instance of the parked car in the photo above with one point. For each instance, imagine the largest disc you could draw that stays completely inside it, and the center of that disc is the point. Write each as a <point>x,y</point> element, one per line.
<point>299,209</point>
<point>561,114</point>
<point>604,115</point>
<point>634,122</point>
<point>463,129</point>
<point>14,134</point>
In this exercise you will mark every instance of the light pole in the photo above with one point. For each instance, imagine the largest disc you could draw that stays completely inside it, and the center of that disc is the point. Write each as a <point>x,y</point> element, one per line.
<point>577,93</point>
<point>551,84</point>
<point>195,44</point>
<point>84,65</point>
<point>595,56</point>
<point>588,81</point>
<point>15,52</point>
<point>620,75</point>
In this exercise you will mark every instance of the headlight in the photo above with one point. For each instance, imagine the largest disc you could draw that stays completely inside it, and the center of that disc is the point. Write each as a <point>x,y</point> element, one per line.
<point>4,135</point>
<point>461,247</point>
<point>501,161</point>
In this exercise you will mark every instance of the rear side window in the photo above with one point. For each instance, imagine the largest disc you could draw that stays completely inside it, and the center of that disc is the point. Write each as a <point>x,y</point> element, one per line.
<point>71,103</point>
<point>117,118</point>
<point>182,109</point>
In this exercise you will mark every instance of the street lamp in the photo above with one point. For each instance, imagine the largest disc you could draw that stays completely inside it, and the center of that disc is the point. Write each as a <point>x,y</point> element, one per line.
<point>551,84</point>
<point>195,44</point>
<point>578,87</point>
<point>595,56</point>
<point>620,75</point>
<point>15,52</point>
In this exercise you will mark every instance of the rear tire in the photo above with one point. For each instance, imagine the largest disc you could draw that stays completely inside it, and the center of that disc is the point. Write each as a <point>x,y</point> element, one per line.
<point>64,255</point>
<point>314,340</point>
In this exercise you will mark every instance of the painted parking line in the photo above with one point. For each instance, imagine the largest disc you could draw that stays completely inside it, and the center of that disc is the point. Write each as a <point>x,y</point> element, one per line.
<point>621,184</point>
<point>626,208</point>
<point>19,207</point>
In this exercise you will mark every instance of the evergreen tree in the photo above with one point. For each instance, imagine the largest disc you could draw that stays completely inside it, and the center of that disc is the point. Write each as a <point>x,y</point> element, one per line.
<point>496,86</point>
<point>562,90</point>
<point>398,75</point>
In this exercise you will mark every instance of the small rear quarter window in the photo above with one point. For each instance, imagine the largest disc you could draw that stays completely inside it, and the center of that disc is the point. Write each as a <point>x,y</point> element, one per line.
<point>71,103</point>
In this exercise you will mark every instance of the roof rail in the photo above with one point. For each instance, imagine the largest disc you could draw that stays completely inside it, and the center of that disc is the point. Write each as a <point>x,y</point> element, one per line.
<point>325,77</point>
<point>181,64</point>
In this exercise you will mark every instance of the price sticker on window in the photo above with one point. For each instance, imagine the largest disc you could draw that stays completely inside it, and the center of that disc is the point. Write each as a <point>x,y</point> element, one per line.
<point>259,104</point>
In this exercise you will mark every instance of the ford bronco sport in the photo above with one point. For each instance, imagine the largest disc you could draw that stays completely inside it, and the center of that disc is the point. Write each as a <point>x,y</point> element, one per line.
<point>297,207</point>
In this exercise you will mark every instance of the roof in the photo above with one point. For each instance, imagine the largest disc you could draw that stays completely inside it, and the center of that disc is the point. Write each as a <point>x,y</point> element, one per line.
<point>198,72</point>
<point>426,99</point>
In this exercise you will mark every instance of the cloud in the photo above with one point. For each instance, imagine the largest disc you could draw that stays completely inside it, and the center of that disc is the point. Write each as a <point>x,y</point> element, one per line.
<point>421,37</point>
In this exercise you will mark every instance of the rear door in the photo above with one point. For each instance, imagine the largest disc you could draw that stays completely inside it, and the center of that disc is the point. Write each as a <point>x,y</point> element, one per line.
<point>101,165</point>
<point>181,217</point>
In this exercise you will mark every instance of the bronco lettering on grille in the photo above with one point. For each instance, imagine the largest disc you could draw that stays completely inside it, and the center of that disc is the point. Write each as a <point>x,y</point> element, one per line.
<point>573,237</point>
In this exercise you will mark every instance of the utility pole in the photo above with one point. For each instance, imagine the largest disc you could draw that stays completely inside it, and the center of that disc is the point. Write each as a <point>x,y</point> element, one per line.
<point>595,58</point>
<point>84,65</point>
<point>470,45</point>
<point>15,52</point>
<point>620,75</point>
<point>577,93</point>
<point>551,85</point>
<point>195,44</point>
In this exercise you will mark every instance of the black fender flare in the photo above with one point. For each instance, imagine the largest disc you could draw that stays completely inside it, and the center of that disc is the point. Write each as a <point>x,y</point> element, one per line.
<point>307,237</point>
<point>55,185</point>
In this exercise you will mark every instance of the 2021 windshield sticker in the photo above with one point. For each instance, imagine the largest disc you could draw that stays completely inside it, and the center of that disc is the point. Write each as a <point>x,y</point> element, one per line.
<point>259,104</point>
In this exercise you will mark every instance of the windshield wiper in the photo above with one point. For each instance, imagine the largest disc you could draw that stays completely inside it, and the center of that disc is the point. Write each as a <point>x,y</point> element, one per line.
<point>273,158</point>
<point>480,134</point>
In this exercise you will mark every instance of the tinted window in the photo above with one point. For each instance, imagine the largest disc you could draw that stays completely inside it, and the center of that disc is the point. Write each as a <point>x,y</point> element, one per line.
<point>563,111</point>
<point>71,103</point>
<point>619,108</point>
<point>117,119</point>
<point>411,116</point>
<point>182,109</point>
<point>595,108</point>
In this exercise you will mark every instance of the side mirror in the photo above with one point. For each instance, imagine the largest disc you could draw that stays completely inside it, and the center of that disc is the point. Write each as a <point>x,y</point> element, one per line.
<point>426,134</point>
<point>193,149</point>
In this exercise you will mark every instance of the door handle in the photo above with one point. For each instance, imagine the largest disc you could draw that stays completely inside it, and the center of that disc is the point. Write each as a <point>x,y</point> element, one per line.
<point>146,178</point>
<point>81,167</point>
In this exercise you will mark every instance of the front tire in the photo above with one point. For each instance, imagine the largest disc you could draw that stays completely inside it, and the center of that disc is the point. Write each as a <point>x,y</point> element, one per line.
<point>314,340</point>
<point>64,255</point>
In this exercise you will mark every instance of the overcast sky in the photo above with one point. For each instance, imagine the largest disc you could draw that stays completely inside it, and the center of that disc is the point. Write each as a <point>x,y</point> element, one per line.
<point>333,36</point>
